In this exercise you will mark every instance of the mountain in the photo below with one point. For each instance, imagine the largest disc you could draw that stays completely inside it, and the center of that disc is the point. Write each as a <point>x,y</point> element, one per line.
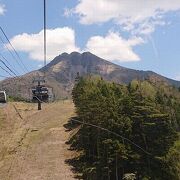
<point>60,74</point>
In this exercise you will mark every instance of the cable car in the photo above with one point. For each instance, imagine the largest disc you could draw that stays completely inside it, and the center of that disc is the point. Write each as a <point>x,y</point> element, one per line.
<point>3,98</point>
<point>40,92</point>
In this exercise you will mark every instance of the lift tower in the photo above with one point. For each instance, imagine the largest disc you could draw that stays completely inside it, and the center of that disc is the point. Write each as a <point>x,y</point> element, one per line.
<point>38,91</point>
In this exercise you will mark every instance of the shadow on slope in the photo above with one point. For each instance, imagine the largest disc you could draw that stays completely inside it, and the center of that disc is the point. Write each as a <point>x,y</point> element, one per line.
<point>77,162</point>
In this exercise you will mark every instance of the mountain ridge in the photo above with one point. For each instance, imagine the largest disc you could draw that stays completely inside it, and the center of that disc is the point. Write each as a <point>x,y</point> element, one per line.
<point>61,72</point>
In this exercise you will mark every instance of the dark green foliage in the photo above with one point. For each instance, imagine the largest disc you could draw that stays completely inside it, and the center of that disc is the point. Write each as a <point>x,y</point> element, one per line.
<point>140,112</point>
<point>173,161</point>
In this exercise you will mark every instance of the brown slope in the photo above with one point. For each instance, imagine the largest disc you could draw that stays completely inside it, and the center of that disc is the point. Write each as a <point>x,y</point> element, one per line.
<point>34,146</point>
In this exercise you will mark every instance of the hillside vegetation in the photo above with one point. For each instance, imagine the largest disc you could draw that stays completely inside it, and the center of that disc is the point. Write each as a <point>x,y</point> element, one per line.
<point>129,132</point>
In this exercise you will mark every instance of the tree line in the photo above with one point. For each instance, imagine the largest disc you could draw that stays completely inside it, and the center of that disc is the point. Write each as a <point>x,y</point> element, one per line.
<point>129,131</point>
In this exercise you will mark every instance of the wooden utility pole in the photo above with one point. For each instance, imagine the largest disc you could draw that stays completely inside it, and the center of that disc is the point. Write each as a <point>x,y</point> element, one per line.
<point>39,105</point>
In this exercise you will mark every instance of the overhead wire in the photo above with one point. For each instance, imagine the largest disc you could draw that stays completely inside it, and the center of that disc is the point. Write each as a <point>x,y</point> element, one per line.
<point>12,54</point>
<point>8,67</point>
<point>6,71</point>
<point>118,135</point>
<point>3,57</point>
<point>17,55</point>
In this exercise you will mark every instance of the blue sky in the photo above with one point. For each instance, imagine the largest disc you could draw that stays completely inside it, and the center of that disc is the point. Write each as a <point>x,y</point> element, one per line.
<point>140,34</point>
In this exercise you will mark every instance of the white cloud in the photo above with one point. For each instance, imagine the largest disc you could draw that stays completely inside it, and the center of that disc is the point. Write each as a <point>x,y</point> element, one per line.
<point>2,9</point>
<point>113,47</point>
<point>59,40</point>
<point>142,15</point>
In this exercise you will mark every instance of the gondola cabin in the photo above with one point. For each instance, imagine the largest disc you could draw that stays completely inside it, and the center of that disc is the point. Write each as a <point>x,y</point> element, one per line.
<point>3,98</point>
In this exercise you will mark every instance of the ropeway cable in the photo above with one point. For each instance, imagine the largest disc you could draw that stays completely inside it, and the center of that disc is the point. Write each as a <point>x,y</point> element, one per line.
<point>107,130</point>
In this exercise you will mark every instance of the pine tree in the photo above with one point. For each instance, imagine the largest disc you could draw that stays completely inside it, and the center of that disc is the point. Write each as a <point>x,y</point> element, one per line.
<point>140,112</point>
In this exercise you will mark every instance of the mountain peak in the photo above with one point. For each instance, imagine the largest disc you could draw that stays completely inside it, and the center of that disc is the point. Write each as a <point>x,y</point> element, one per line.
<point>62,71</point>
<point>87,53</point>
<point>75,53</point>
<point>87,63</point>
<point>64,54</point>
